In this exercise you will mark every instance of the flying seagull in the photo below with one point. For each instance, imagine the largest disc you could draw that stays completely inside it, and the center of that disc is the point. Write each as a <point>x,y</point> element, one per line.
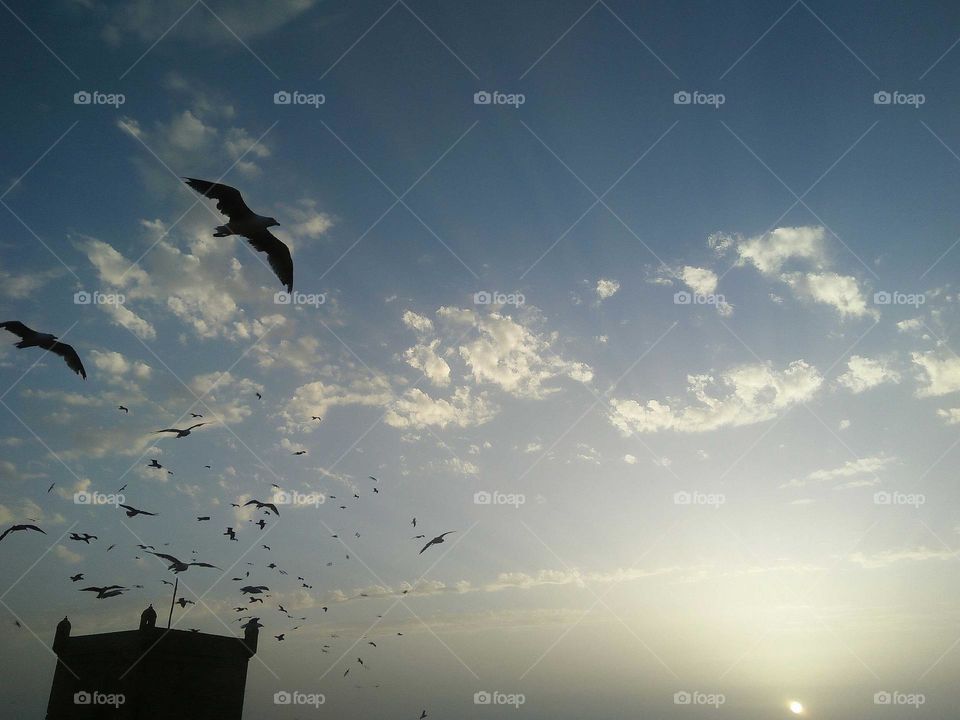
<point>155,464</point>
<point>178,566</point>
<point>196,415</point>
<point>254,589</point>
<point>243,221</point>
<point>86,537</point>
<point>133,512</point>
<point>77,577</point>
<point>183,602</point>
<point>125,409</point>
<point>230,532</point>
<point>105,592</point>
<point>31,338</point>
<point>267,506</point>
<point>180,433</point>
<point>15,528</point>
<point>436,541</point>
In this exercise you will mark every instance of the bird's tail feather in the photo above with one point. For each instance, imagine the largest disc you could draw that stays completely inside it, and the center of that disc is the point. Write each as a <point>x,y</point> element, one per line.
<point>222,231</point>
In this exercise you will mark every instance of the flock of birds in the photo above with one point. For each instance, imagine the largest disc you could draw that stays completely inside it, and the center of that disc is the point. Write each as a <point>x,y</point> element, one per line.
<point>255,228</point>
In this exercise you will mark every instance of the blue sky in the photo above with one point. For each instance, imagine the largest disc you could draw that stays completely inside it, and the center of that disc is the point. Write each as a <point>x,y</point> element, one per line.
<point>715,398</point>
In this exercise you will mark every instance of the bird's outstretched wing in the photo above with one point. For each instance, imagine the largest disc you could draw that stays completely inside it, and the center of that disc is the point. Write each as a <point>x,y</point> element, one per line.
<point>13,528</point>
<point>166,430</point>
<point>199,564</point>
<point>278,254</point>
<point>168,558</point>
<point>271,506</point>
<point>426,546</point>
<point>192,427</point>
<point>229,200</point>
<point>69,354</point>
<point>17,328</point>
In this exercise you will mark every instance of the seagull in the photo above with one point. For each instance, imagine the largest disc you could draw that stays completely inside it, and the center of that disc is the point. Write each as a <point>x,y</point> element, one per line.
<point>155,464</point>
<point>105,592</point>
<point>414,522</point>
<point>423,714</point>
<point>436,541</point>
<point>279,637</point>
<point>77,577</point>
<point>196,415</point>
<point>183,602</point>
<point>31,338</point>
<point>243,221</point>
<point>86,537</point>
<point>201,518</point>
<point>254,589</point>
<point>267,506</point>
<point>50,488</point>
<point>180,433</point>
<point>125,409</point>
<point>15,528</point>
<point>133,512</point>
<point>259,396</point>
<point>315,417</point>
<point>230,532</point>
<point>372,478</point>
<point>178,566</point>
<point>300,452</point>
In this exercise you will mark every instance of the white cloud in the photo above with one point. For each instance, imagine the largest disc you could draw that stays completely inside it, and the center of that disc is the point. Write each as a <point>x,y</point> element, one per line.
<point>771,252</point>
<point>606,288</point>
<point>939,373</point>
<point>630,459</point>
<point>416,409</point>
<point>951,416</point>
<point>701,281</point>
<point>744,395</point>
<point>865,373</point>
<point>852,468</point>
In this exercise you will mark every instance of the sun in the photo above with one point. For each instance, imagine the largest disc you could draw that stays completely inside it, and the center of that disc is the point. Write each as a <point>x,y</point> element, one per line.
<point>795,707</point>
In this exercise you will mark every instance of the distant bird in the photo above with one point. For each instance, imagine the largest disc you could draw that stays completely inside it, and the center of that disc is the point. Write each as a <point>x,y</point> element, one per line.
<point>370,642</point>
<point>123,488</point>
<point>201,518</point>
<point>279,637</point>
<point>254,589</point>
<point>261,522</point>
<point>314,417</point>
<point>417,537</point>
<point>423,714</point>
<point>105,592</point>
<point>77,577</point>
<point>155,464</point>
<point>178,566</point>
<point>259,396</point>
<point>208,467</point>
<point>180,433</point>
<point>263,505</point>
<point>266,547</point>
<point>373,478</point>
<point>196,415</point>
<point>230,532</point>
<point>86,537</point>
<point>111,547</point>
<point>375,490</point>
<point>243,221</point>
<point>346,672</point>
<point>300,452</point>
<point>133,512</point>
<point>414,522</point>
<point>125,409</point>
<point>31,338</point>
<point>50,488</point>
<point>436,541</point>
<point>183,602</point>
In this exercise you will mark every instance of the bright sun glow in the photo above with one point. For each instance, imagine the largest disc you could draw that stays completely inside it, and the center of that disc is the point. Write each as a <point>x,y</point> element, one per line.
<point>795,707</point>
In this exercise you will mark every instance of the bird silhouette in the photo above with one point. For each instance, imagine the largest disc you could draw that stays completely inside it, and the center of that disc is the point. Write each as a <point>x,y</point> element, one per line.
<point>125,409</point>
<point>180,433</point>
<point>105,592</point>
<point>86,537</point>
<point>263,505</point>
<point>243,221</point>
<point>178,566</point>
<point>436,541</point>
<point>133,512</point>
<point>32,338</point>
<point>16,528</point>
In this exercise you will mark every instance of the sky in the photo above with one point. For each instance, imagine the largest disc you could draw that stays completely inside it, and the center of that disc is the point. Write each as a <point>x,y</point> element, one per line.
<point>654,305</point>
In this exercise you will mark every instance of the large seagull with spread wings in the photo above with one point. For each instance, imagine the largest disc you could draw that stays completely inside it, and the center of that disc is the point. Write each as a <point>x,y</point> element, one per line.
<point>245,222</point>
<point>32,338</point>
